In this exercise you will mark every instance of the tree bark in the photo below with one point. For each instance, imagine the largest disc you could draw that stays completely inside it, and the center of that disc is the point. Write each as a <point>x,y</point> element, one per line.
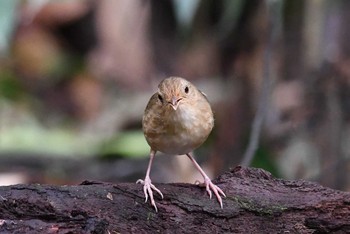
<point>256,202</point>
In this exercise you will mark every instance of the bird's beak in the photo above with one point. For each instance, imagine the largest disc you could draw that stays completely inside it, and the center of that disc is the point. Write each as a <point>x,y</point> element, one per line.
<point>174,103</point>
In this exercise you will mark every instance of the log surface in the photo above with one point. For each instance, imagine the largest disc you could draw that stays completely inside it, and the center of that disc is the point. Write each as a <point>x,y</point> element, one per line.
<point>256,202</point>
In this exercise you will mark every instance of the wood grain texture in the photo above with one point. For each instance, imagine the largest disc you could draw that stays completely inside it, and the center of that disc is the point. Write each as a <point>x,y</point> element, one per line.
<point>256,203</point>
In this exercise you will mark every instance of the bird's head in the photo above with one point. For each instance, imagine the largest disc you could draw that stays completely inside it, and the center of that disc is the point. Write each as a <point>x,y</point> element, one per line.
<point>174,91</point>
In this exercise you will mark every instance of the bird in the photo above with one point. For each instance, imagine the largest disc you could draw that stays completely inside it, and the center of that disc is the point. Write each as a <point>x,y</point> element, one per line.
<point>178,119</point>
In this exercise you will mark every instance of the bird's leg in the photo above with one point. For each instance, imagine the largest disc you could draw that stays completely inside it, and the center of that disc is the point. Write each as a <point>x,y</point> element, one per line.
<point>147,183</point>
<point>210,187</point>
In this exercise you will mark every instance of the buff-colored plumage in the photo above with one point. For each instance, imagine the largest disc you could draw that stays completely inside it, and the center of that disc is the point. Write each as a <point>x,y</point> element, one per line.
<point>177,128</point>
<point>178,119</point>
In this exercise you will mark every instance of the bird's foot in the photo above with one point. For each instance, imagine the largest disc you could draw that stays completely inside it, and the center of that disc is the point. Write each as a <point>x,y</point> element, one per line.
<point>147,189</point>
<point>211,187</point>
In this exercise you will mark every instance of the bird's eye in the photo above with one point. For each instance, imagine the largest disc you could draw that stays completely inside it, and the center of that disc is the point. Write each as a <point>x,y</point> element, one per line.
<point>186,89</point>
<point>160,97</point>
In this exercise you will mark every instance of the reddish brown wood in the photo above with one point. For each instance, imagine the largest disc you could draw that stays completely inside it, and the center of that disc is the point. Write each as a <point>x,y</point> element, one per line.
<point>256,203</point>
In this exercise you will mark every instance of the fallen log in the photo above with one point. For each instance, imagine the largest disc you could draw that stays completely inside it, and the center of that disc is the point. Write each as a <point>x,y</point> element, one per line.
<point>256,202</point>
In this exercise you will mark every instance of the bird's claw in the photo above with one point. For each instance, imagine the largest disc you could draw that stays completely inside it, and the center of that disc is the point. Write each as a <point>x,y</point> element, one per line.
<point>147,190</point>
<point>211,187</point>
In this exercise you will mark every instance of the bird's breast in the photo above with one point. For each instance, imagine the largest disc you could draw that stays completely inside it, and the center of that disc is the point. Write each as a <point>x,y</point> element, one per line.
<point>180,131</point>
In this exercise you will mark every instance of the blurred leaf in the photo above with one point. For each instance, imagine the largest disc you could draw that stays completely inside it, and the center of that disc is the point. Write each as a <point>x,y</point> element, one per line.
<point>129,144</point>
<point>10,87</point>
<point>37,53</point>
<point>231,12</point>
<point>7,22</point>
<point>262,159</point>
<point>185,11</point>
<point>26,135</point>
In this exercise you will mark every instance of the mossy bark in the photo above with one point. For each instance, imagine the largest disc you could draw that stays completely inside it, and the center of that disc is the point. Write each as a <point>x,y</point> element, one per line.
<point>256,203</point>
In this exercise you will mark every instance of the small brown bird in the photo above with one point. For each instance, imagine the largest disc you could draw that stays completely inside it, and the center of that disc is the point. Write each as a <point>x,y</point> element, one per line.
<point>178,119</point>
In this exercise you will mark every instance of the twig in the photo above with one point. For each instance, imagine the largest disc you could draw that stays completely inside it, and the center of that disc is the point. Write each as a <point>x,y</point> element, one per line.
<point>273,9</point>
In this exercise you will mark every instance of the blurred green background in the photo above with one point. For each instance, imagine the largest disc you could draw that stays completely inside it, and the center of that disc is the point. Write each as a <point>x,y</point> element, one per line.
<point>75,77</point>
